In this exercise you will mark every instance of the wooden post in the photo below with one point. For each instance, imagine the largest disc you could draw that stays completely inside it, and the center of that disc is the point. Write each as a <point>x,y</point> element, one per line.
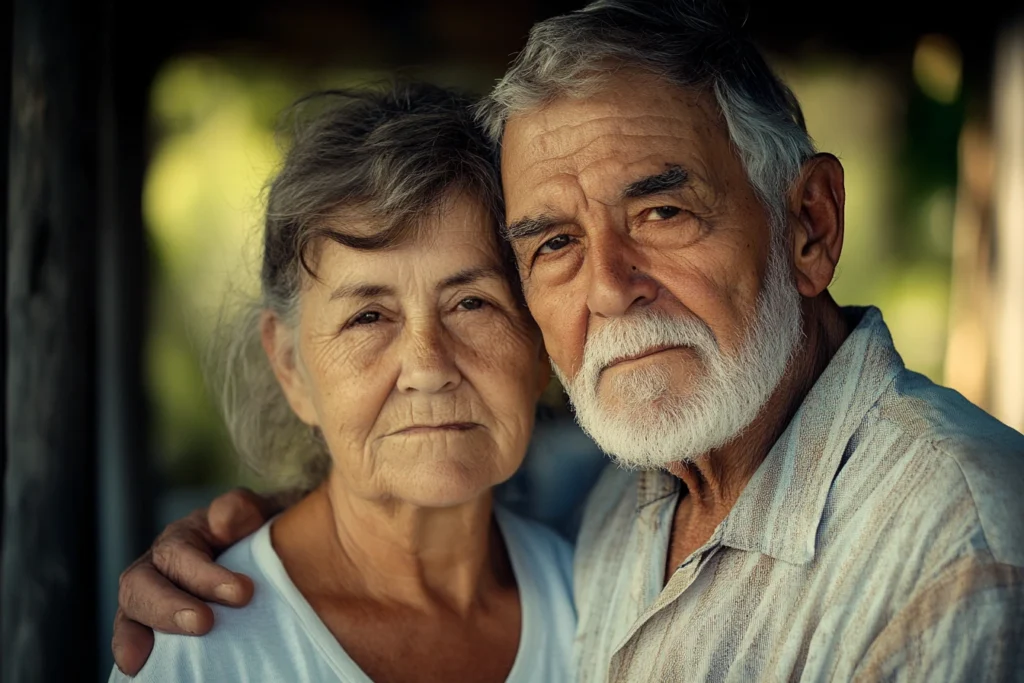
<point>49,563</point>
<point>6,30</point>
<point>968,347</point>
<point>125,500</point>
<point>1008,130</point>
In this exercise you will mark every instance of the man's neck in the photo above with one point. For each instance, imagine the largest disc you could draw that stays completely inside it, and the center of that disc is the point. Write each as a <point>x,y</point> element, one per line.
<point>715,481</point>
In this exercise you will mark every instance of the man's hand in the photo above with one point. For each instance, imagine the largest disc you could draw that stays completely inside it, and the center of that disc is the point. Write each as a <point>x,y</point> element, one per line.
<point>165,589</point>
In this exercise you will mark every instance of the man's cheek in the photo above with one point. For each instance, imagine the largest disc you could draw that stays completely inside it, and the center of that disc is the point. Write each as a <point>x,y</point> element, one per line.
<point>567,354</point>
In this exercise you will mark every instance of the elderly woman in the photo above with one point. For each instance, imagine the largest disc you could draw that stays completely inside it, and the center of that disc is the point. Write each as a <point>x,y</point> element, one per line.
<point>405,375</point>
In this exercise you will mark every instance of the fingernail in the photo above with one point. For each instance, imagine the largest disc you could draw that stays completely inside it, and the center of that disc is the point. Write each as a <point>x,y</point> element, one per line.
<point>186,620</point>
<point>227,592</point>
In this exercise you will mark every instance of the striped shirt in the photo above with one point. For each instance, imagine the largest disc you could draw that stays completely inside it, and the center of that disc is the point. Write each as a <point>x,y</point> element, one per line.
<point>881,539</point>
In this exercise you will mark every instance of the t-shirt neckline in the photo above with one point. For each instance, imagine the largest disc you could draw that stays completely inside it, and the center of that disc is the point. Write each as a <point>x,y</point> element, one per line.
<point>270,564</point>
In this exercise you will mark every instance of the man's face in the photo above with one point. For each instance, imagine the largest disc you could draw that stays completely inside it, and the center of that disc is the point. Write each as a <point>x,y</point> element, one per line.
<point>641,241</point>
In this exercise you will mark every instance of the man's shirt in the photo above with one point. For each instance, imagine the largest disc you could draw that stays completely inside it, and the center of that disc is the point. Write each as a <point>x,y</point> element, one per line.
<point>881,539</point>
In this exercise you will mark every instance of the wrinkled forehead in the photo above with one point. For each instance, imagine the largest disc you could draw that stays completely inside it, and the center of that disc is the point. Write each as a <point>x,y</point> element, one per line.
<point>456,235</point>
<point>629,127</point>
<point>455,216</point>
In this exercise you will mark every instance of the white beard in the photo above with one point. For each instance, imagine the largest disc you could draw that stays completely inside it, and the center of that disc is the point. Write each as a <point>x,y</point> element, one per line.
<point>650,425</point>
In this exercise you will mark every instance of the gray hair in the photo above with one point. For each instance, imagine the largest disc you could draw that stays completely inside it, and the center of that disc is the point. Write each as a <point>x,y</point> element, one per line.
<point>389,156</point>
<point>689,43</point>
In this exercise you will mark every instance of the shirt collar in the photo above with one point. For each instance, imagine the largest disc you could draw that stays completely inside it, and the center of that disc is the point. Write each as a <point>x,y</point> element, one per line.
<point>655,485</point>
<point>780,510</point>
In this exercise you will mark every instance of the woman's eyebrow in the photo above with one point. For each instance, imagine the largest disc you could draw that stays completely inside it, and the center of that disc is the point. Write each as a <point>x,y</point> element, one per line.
<point>470,275</point>
<point>367,290</point>
<point>361,290</point>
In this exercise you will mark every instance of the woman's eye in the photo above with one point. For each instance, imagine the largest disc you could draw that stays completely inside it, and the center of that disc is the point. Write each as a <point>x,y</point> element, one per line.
<point>366,318</point>
<point>554,244</point>
<point>471,303</point>
<point>662,213</point>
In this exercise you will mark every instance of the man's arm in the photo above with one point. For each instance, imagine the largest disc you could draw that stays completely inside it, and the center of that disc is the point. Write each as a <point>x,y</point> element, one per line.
<point>165,589</point>
<point>968,625</point>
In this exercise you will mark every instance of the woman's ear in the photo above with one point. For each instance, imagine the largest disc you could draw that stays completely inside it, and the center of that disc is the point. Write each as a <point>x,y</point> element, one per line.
<point>280,342</point>
<point>816,206</point>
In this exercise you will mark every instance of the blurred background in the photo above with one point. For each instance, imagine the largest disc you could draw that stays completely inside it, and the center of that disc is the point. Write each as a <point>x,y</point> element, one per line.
<point>141,139</point>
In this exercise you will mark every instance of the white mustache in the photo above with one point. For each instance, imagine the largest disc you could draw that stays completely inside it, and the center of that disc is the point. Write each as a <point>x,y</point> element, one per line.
<point>637,334</point>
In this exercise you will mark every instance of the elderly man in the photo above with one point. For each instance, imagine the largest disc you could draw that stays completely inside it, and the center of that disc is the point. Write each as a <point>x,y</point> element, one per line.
<point>795,504</point>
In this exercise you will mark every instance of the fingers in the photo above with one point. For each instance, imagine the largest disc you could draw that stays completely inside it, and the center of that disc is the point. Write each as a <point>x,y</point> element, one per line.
<point>165,589</point>
<point>132,644</point>
<point>236,514</point>
<point>184,557</point>
<point>147,597</point>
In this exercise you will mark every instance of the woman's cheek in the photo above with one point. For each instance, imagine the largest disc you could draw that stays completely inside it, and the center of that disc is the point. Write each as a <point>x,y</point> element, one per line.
<point>353,349</point>
<point>352,376</point>
<point>499,346</point>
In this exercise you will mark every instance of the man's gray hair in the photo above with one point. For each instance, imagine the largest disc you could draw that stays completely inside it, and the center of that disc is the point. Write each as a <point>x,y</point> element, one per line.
<point>388,155</point>
<point>689,43</point>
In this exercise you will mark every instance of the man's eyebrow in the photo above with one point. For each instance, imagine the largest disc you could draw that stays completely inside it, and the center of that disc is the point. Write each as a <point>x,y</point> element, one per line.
<point>672,178</point>
<point>528,227</point>
<point>471,275</point>
<point>360,290</point>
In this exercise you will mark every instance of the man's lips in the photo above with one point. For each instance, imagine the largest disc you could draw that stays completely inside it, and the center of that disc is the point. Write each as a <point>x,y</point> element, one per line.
<point>429,429</point>
<point>644,354</point>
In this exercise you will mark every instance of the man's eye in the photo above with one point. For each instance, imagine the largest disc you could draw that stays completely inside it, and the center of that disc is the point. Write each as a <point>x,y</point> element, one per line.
<point>366,318</point>
<point>554,244</point>
<point>662,213</point>
<point>471,303</point>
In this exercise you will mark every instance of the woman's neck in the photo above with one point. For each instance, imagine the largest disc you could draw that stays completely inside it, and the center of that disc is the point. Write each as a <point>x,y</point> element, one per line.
<point>334,543</point>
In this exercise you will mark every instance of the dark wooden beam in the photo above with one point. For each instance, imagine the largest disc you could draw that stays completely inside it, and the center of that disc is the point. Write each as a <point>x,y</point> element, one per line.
<point>124,485</point>
<point>6,30</point>
<point>49,563</point>
<point>390,33</point>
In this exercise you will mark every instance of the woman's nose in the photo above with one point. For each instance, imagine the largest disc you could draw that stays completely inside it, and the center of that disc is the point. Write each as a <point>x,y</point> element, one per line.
<point>428,363</point>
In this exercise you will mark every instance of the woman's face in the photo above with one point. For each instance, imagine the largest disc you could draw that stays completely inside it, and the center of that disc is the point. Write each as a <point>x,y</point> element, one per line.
<point>416,362</point>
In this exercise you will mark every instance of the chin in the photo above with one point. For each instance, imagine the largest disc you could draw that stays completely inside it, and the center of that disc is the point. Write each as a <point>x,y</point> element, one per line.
<point>447,484</point>
<point>646,387</point>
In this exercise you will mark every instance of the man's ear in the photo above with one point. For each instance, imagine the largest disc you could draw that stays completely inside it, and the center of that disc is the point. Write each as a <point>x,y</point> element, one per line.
<point>816,204</point>
<point>280,344</point>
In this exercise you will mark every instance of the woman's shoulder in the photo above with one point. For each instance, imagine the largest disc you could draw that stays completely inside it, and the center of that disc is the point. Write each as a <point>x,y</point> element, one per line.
<point>529,530</point>
<point>188,659</point>
<point>258,652</point>
<point>536,546</point>
<point>542,561</point>
<point>253,643</point>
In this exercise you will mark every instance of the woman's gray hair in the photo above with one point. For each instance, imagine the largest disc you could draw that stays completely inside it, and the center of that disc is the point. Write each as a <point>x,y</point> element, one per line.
<point>689,43</point>
<point>389,156</point>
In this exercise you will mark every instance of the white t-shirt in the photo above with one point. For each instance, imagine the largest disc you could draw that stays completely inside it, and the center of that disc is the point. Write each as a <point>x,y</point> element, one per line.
<point>279,638</point>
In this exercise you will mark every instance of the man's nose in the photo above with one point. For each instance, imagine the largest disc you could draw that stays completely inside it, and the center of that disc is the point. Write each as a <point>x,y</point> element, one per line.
<point>616,283</point>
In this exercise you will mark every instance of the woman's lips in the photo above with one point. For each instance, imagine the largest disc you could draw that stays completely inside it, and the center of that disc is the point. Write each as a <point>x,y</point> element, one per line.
<point>430,429</point>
